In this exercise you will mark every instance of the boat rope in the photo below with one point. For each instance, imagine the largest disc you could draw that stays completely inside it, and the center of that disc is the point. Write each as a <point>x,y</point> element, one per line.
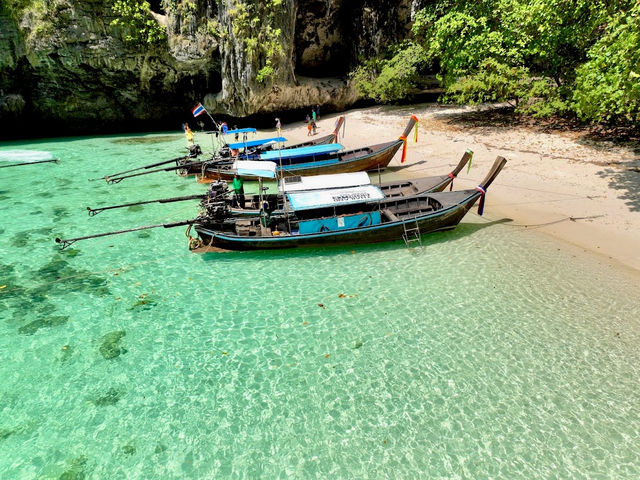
<point>483,194</point>
<point>452,177</point>
<point>545,224</point>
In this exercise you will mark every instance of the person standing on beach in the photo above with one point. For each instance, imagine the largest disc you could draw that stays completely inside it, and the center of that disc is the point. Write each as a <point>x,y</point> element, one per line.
<point>309,127</point>
<point>278,126</point>
<point>188,133</point>
<point>317,112</point>
<point>313,114</point>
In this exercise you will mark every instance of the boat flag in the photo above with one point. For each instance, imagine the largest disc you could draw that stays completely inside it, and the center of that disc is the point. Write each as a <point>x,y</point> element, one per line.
<point>198,110</point>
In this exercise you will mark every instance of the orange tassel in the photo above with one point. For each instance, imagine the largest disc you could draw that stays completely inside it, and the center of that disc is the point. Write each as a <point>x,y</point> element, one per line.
<point>404,148</point>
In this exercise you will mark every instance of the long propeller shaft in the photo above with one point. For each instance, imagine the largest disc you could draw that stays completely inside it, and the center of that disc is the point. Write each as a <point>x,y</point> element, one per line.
<point>144,167</point>
<point>53,160</point>
<point>95,211</point>
<point>64,243</point>
<point>168,169</point>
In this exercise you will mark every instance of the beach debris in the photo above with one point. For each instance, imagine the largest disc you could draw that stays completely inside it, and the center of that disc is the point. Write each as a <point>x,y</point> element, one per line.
<point>342,295</point>
<point>146,301</point>
<point>110,347</point>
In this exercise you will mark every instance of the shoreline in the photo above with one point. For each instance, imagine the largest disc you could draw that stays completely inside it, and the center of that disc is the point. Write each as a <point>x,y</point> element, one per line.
<point>561,184</point>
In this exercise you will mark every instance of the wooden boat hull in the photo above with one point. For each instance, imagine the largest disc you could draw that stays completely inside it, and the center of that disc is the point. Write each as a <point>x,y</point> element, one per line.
<point>365,222</point>
<point>444,219</point>
<point>344,162</point>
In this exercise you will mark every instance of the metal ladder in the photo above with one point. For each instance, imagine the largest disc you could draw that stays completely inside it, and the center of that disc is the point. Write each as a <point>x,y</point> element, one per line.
<point>411,235</point>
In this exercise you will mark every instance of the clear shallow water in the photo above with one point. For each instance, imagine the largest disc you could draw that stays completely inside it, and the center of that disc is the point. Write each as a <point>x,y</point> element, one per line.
<point>488,353</point>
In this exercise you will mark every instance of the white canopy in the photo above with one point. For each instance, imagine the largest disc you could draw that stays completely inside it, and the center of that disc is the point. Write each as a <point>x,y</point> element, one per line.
<point>334,197</point>
<point>253,168</point>
<point>317,182</point>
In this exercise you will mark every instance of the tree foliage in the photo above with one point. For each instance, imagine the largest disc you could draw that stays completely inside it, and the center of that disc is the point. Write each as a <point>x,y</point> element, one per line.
<point>543,56</point>
<point>134,16</point>
<point>608,84</point>
<point>392,78</point>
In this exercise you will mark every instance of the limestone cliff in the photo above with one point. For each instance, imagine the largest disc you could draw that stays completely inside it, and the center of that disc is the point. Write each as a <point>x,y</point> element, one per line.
<point>65,65</point>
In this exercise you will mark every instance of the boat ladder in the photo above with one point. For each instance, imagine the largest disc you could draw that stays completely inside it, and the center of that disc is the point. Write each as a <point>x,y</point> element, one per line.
<point>411,235</point>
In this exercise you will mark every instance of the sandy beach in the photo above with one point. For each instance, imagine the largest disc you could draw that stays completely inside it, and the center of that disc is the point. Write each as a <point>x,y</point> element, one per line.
<point>561,183</point>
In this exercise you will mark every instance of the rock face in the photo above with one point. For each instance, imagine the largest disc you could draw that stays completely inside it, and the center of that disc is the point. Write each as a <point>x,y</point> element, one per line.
<point>68,66</point>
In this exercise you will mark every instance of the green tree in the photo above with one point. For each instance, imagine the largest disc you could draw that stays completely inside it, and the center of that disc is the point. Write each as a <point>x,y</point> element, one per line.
<point>527,52</point>
<point>608,84</point>
<point>393,78</point>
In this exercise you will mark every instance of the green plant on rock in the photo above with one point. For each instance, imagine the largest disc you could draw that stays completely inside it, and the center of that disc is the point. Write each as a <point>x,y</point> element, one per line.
<point>253,23</point>
<point>134,16</point>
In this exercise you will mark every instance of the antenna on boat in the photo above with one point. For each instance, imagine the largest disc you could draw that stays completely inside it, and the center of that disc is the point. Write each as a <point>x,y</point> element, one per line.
<point>284,195</point>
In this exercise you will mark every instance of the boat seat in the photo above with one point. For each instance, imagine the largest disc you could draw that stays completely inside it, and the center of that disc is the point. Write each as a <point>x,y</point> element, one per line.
<point>243,227</point>
<point>389,214</point>
<point>413,210</point>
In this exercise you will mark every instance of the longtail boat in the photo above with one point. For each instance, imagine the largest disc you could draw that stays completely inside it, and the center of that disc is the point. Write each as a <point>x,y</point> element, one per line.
<point>308,161</point>
<point>193,164</point>
<point>263,144</point>
<point>396,188</point>
<point>217,200</point>
<point>330,217</point>
<point>260,149</point>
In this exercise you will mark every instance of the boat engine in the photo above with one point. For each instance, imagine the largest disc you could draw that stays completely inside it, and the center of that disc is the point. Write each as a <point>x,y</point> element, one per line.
<point>218,189</point>
<point>215,210</point>
<point>194,150</point>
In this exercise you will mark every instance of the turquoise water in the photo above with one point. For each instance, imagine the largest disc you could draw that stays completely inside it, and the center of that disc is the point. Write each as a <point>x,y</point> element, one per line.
<point>488,353</point>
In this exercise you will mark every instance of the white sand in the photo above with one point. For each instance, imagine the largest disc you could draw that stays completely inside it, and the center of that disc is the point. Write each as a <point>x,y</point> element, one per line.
<point>559,184</point>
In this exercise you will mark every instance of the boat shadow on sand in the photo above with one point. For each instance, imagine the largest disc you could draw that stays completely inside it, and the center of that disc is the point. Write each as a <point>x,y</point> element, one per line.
<point>430,239</point>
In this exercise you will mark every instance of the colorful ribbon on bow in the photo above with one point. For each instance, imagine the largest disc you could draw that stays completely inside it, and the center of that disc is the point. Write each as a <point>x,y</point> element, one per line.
<point>482,196</point>
<point>404,148</point>
<point>452,177</point>
<point>415,130</point>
